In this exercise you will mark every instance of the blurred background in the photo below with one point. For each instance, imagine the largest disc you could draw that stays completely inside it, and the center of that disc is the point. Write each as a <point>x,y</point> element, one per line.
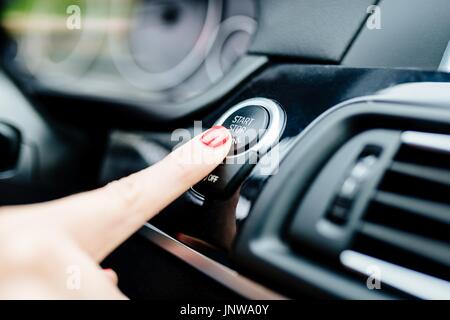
<point>162,50</point>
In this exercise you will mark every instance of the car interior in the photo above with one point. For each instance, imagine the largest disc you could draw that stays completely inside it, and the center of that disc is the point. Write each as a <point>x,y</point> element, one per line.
<point>344,193</point>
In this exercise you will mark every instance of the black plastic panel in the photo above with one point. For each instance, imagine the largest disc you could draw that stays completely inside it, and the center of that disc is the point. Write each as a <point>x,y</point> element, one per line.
<point>333,236</point>
<point>53,160</point>
<point>305,92</point>
<point>262,246</point>
<point>413,34</point>
<point>147,272</point>
<point>308,29</point>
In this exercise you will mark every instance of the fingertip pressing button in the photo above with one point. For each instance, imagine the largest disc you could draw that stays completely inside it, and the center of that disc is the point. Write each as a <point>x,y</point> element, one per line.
<point>247,126</point>
<point>255,126</point>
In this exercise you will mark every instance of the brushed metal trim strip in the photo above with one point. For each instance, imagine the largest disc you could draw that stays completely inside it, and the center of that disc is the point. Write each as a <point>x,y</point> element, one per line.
<point>222,274</point>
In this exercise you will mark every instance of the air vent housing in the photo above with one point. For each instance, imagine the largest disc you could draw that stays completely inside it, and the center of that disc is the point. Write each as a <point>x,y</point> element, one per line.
<point>385,195</point>
<point>408,217</point>
<point>346,161</point>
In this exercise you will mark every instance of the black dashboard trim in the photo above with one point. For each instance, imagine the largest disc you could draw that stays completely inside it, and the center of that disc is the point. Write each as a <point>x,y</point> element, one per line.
<point>262,249</point>
<point>222,274</point>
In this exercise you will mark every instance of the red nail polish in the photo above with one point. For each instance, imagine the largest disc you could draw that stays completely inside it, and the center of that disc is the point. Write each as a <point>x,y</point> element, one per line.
<point>218,142</point>
<point>215,137</point>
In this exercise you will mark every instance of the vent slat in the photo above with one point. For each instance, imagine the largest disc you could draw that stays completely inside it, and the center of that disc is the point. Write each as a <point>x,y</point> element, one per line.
<point>422,172</point>
<point>420,246</point>
<point>407,220</point>
<point>426,209</point>
<point>416,187</point>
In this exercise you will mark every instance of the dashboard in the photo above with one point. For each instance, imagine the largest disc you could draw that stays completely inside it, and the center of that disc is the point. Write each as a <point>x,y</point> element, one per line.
<point>348,171</point>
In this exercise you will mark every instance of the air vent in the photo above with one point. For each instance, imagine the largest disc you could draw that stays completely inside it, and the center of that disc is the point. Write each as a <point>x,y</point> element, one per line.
<point>407,221</point>
<point>384,196</point>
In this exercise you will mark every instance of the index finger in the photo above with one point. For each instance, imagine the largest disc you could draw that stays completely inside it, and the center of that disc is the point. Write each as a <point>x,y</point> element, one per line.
<point>102,219</point>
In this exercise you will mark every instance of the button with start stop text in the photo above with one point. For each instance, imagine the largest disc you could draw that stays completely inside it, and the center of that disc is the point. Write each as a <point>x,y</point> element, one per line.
<point>247,126</point>
<point>256,126</point>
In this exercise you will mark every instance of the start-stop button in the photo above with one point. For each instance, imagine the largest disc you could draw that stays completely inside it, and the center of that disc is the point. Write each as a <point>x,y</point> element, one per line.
<point>256,126</point>
<point>247,126</point>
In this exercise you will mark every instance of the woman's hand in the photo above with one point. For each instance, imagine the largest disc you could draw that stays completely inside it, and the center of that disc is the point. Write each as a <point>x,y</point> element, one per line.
<point>52,250</point>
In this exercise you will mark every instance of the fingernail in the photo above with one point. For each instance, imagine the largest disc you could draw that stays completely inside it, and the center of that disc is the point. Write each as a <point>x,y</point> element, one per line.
<point>215,137</point>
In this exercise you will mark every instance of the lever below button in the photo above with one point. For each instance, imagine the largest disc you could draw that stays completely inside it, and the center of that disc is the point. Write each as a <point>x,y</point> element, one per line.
<point>224,180</point>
